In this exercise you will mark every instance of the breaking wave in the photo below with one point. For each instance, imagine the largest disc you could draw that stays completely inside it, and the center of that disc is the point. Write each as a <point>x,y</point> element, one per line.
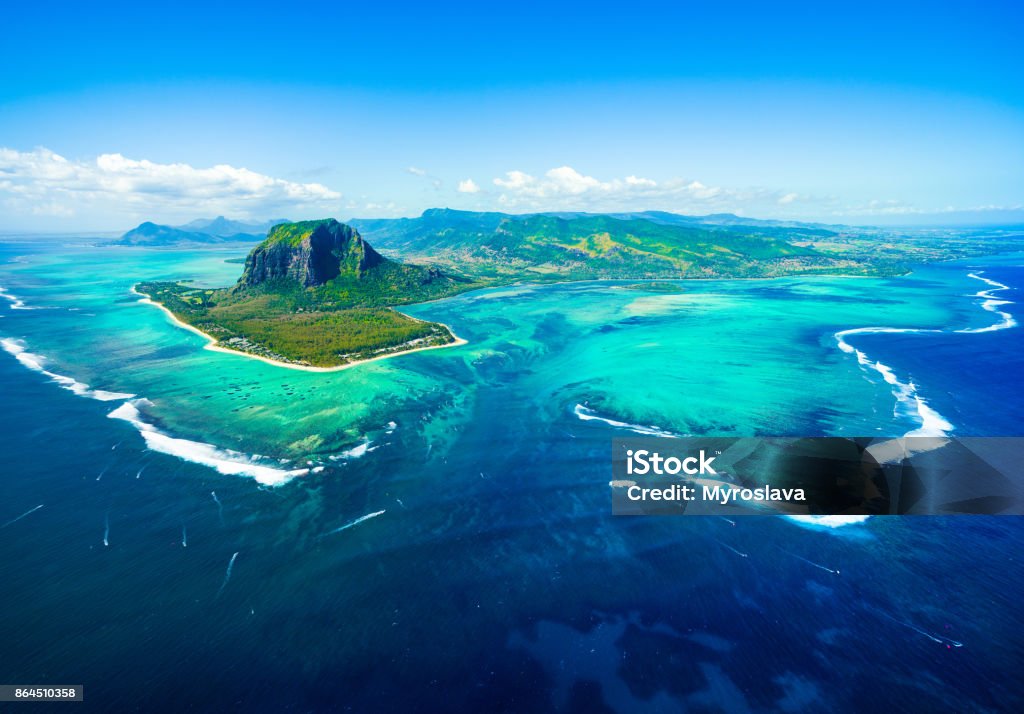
<point>586,414</point>
<point>16,302</point>
<point>36,363</point>
<point>226,461</point>
<point>909,402</point>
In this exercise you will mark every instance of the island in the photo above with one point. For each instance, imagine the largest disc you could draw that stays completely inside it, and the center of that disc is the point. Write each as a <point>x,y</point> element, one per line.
<point>314,295</point>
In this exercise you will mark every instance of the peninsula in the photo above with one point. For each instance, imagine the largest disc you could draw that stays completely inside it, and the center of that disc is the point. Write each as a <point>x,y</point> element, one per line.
<point>314,295</point>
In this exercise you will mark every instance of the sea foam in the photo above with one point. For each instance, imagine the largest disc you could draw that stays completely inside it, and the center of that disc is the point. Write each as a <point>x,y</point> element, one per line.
<point>226,461</point>
<point>36,363</point>
<point>16,302</point>
<point>908,401</point>
<point>992,304</point>
<point>586,414</point>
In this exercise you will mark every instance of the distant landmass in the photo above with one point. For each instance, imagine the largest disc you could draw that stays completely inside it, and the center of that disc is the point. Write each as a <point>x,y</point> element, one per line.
<point>492,246</point>
<point>315,294</point>
<point>198,232</point>
<point>651,244</point>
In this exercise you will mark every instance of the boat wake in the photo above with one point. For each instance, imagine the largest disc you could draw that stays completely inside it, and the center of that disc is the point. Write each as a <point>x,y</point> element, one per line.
<point>356,522</point>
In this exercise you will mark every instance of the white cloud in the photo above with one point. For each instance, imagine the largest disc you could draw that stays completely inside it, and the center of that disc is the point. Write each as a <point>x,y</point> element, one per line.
<point>416,171</point>
<point>468,186</point>
<point>788,198</point>
<point>565,188</point>
<point>113,183</point>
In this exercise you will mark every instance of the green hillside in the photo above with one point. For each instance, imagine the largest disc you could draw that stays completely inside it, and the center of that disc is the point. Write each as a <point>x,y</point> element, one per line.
<point>501,247</point>
<point>314,293</point>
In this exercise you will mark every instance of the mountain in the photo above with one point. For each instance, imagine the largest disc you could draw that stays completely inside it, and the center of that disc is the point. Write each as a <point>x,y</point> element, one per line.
<point>315,293</point>
<point>436,226</point>
<point>446,227</point>
<point>201,231</point>
<point>225,227</point>
<point>332,264</point>
<point>153,234</point>
<point>560,246</point>
<point>311,253</point>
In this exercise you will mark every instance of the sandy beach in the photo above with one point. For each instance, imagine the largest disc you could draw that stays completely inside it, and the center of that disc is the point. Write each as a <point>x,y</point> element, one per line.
<point>214,347</point>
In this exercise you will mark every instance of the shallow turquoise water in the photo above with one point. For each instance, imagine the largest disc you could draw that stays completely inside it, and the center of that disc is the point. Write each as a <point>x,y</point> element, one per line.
<point>723,357</point>
<point>489,574</point>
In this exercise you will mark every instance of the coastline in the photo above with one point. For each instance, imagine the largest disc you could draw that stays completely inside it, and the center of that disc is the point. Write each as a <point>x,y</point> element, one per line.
<point>212,345</point>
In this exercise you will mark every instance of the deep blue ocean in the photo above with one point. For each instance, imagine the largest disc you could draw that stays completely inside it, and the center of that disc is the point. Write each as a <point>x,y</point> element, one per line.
<point>493,603</point>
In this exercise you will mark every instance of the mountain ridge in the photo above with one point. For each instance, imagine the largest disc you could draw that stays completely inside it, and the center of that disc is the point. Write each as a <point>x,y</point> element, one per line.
<point>201,231</point>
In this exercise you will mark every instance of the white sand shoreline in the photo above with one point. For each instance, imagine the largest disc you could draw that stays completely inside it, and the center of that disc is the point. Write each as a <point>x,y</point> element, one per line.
<point>214,347</point>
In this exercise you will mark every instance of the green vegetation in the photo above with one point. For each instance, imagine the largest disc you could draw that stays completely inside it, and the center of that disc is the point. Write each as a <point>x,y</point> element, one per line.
<point>656,287</point>
<point>495,247</point>
<point>315,294</point>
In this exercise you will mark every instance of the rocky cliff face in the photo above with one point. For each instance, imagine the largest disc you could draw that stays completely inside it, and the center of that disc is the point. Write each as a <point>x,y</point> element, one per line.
<point>310,253</point>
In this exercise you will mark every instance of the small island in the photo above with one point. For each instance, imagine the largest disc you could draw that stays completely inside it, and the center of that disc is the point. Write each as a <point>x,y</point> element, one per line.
<point>314,295</point>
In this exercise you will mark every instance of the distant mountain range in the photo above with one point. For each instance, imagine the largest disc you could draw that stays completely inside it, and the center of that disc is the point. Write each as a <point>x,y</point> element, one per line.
<point>198,232</point>
<point>439,227</point>
<point>317,293</point>
<point>583,246</point>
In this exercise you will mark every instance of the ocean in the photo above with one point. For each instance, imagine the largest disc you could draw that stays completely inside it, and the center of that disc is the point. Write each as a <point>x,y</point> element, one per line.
<point>182,528</point>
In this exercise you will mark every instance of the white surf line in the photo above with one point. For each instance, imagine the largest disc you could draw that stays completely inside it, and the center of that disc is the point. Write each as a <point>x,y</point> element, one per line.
<point>227,575</point>
<point>225,461</point>
<point>907,396</point>
<point>29,511</point>
<point>356,522</point>
<point>824,522</point>
<point>931,636</point>
<point>16,302</point>
<point>35,362</point>
<point>584,413</point>
<point>992,304</point>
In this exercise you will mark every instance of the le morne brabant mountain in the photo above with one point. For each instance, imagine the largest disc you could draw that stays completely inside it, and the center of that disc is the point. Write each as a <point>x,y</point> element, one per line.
<point>316,293</point>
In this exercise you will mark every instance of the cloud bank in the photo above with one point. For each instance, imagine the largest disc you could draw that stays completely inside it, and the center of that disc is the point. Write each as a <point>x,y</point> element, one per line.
<point>565,188</point>
<point>41,182</point>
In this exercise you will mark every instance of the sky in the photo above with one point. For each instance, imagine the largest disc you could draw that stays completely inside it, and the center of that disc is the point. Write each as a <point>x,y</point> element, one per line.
<point>865,113</point>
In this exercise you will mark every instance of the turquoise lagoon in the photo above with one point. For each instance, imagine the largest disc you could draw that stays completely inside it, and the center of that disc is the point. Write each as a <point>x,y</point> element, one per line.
<point>434,531</point>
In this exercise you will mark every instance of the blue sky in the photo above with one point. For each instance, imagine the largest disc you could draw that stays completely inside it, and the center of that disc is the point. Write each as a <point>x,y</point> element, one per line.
<point>845,112</point>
